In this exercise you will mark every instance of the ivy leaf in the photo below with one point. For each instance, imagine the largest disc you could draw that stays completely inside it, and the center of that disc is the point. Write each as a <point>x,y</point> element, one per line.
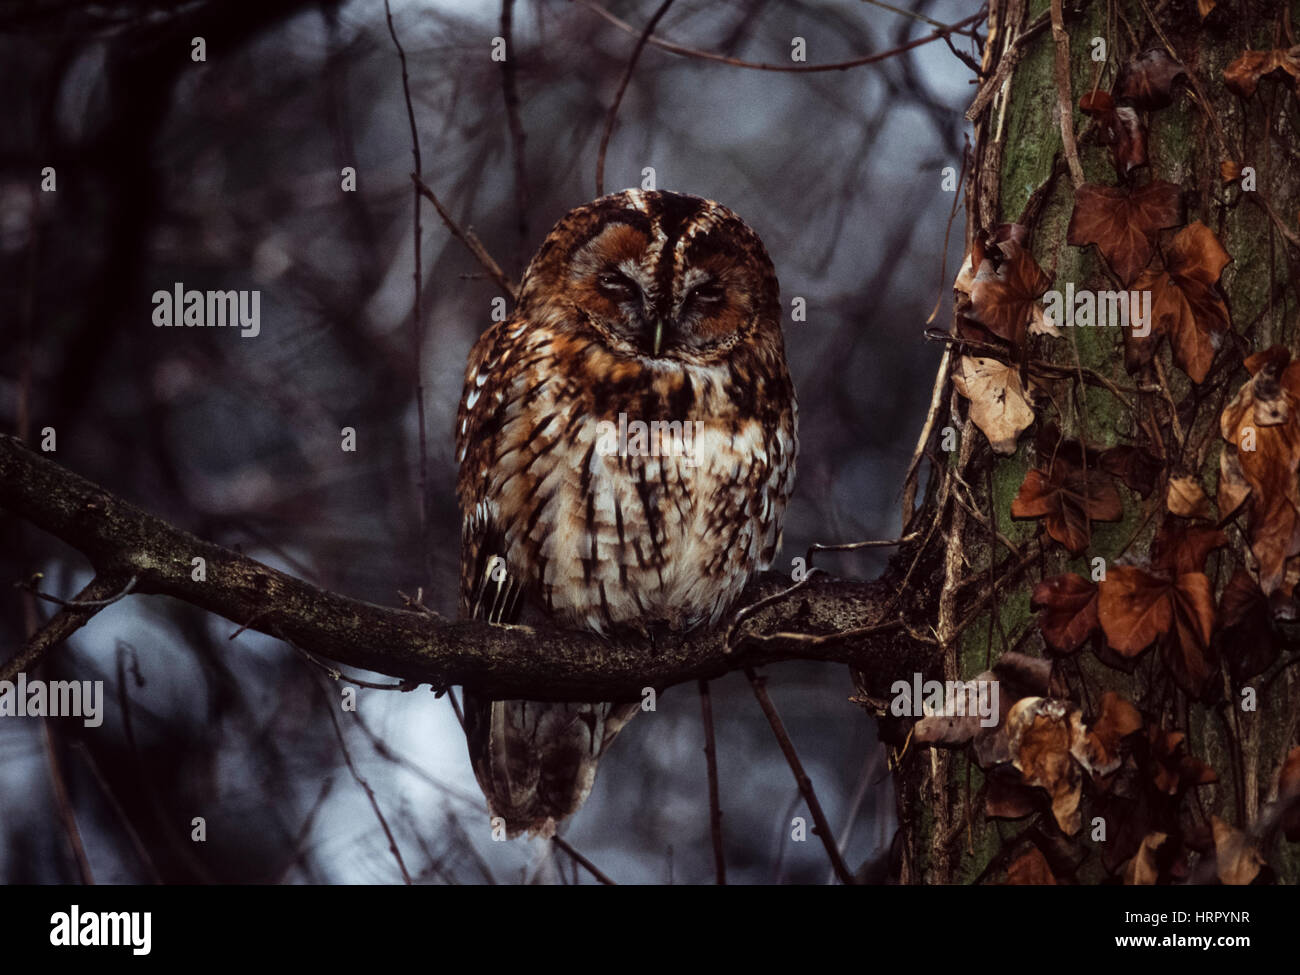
<point>1004,299</point>
<point>1137,607</point>
<point>1118,126</point>
<point>1000,406</point>
<point>1258,465</point>
<point>1030,869</point>
<point>1137,467</point>
<point>1172,769</point>
<point>1243,75</point>
<point>1068,500</point>
<point>1236,859</point>
<point>1147,81</point>
<point>1246,627</point>
<point>1097,748</point>
<point>1186,305</point>
<point>1122,223</point>
<point>1040,735</point>
<point>1069,604</point>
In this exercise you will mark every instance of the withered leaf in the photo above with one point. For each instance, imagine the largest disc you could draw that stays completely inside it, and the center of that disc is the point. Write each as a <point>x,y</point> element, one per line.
<point>1030,869</point>
<point>1187,498</point>
<point>1137,467</point>
<point>1185,303</point>
<point>1000,406</point>
<point>1069,604</point>
<point>1259,463</point>
<point>1147,81</point>
<point>1118,127</point>
<point>1243,75</point>
<point>1097,748</point>
<point>1179,550</point>
<point>1136,607</point>
<point>1123,223</point>
<point>1039,732</point>
<point>1143,869</point>
<point>1009,800</point>
<point>1068,500</point>
<point>1172,769</point>
<point>1236,858</point>
<point>1246,627</point>
<point>1005,299</point>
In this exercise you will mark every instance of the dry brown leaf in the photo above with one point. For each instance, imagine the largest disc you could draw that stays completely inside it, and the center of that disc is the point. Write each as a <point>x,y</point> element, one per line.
<point>1030,869</point>
<point>1039,732</point>
<point>1142,870</point>
<point>1000,406</point>
<point>1236,859</point>
<point>1187,498</point>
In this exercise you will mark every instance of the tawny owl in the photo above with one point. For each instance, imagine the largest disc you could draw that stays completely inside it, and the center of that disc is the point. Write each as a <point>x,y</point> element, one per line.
<point>627,446</point>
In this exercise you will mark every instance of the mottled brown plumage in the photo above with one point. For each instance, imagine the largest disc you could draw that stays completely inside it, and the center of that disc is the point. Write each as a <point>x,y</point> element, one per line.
<point>584,506</point>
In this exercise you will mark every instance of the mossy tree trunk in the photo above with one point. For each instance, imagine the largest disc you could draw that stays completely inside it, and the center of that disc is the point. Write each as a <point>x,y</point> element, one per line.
<point>987,563</point>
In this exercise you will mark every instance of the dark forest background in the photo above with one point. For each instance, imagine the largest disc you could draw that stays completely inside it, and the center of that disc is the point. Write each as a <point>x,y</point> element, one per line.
<point>226,174</point>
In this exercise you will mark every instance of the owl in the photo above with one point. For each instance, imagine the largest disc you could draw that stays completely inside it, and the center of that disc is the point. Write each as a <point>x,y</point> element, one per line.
<point>626,442</point>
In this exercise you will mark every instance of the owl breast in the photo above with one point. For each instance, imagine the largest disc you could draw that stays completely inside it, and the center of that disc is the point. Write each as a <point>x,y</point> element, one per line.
<point>627,494</point>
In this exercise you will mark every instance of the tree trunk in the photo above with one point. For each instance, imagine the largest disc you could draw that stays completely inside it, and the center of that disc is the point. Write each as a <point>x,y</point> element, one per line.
<point>1155,818</point>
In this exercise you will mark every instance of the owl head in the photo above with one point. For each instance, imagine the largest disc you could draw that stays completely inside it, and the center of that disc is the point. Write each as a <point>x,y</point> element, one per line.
<point>655,275</point>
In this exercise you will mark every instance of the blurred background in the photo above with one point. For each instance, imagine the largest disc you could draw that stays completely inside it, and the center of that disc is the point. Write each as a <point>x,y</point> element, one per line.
<point>226,174</point>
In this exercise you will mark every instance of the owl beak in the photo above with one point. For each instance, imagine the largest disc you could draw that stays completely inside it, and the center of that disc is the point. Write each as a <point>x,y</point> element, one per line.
<point>659,335</point>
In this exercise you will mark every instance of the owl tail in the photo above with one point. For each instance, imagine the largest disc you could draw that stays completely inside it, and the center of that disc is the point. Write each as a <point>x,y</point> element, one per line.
<point>536,761</point>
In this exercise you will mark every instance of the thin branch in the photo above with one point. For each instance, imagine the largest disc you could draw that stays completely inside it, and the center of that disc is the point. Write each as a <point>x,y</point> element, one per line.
<point>692,52</point>
<point>618,96</point>
<point>715,805</point>
<point>417,337</point>
<point>141,850</point>
<point>590,867</point>
<point>821,827</point>
<point>87,603</point>
<point>468,238</point>
<point>66,813</point>
<point>72,616</point>
<point>365,787</point>
<point>510,92</point>
<point>835,620</point>
<point>1064,100</point>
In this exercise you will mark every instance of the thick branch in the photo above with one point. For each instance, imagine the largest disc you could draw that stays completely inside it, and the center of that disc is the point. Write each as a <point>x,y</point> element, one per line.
<point>122,541</point>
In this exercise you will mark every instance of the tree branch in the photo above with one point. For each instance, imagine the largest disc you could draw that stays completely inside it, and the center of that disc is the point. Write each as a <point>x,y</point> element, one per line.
<point>121,541</point>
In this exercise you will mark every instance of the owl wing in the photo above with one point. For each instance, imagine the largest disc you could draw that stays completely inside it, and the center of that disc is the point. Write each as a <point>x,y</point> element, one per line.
<point>489,590</point>
<point>535,761</point>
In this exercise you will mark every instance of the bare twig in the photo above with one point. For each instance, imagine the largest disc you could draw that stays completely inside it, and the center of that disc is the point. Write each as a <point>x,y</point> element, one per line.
<point>132,833</point>
<point>365,787</point>
<point>692,52</point>
<point>417,337</point>
<point>74,614</point>
<point>715,805</point>
<point>590,867</point>
<point>471,242</point>
<point>821,827</point>
<point>66,813</point>
<point>612,115</point>
<point>1064,100</point>
<point>510,92</point>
